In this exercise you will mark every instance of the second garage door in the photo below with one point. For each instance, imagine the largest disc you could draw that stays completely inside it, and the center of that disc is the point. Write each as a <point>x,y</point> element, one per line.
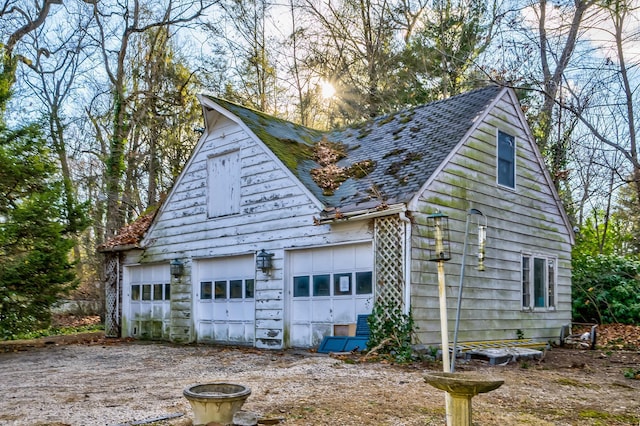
<point>327,287</point>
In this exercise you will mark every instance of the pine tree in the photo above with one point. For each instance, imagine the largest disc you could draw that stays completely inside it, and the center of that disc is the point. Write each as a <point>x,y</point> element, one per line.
<point>35,270</point>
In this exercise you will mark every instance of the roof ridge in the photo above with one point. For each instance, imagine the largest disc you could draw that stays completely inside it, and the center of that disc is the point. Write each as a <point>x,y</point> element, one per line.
<point>263,114</point>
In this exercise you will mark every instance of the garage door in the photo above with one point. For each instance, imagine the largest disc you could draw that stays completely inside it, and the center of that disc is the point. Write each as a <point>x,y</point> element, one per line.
<point>224,300</point>
<point>328,287</point>
<point>147,301</point>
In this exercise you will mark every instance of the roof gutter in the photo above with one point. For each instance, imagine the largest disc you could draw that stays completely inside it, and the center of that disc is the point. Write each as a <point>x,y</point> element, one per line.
<point>118,248</point>
<point>363,214</point>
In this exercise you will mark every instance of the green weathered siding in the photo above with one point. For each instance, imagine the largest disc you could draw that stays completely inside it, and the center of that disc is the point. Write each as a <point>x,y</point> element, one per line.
<point>528,219</point>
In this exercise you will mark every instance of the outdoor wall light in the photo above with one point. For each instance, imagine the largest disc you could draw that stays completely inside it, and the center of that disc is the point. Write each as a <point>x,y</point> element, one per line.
<point>264,261</point>
<point>176,267</point>
<point>438,228</point>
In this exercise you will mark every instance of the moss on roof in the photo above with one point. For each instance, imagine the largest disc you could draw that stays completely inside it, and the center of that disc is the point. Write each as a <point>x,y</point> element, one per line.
<point>394,154</point>
<point>290,142</point>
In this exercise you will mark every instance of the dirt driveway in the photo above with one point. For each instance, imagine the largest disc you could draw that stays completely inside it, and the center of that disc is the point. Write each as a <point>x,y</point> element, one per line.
<point>118,382</point>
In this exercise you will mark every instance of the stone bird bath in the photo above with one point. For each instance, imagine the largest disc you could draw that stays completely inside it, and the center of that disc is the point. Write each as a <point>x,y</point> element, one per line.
<point>215,402</point>
<point>461,388</point>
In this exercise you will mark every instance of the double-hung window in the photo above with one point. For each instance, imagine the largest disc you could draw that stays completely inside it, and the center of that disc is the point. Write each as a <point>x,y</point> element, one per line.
<point>506,160</point>
<point>538,282</point>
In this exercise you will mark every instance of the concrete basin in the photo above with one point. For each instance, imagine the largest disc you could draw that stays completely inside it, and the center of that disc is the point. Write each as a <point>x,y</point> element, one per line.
<point>461,388</point>
<point>215,402</point>
<point>462,384</point>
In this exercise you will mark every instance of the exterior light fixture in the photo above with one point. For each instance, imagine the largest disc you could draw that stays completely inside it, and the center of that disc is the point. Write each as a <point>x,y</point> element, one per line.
<point>438,228</point>
<point>176,267</point>
<point>264,261</point>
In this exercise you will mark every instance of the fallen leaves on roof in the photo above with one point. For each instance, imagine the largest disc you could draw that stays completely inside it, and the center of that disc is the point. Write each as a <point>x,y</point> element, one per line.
<point>130,235</point>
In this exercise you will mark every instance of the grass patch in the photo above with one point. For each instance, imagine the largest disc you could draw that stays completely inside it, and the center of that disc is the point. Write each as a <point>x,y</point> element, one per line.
<point>608,418</point>
<point>58,331</point>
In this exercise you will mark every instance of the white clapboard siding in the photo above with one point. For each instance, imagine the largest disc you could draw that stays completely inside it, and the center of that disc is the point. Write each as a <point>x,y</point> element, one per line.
<point>275,213</point>
<point>525,219</point>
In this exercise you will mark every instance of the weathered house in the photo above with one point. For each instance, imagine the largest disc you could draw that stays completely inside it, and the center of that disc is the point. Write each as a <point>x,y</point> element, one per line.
<point>342,217</point>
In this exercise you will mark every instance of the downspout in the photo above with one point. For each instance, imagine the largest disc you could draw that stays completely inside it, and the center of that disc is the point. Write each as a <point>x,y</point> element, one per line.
<point>407,260</point>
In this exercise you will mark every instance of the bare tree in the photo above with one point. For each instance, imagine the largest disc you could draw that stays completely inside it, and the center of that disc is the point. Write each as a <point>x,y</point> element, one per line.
<point>17,21</point>
<point>354,44</point>
<point>553,72</point>
<point>605,104</point>
<point>117,26</point>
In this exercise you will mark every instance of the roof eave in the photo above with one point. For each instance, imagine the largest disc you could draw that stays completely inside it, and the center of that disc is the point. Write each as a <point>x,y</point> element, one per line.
<point>362,214</point>
<point>114,249</point>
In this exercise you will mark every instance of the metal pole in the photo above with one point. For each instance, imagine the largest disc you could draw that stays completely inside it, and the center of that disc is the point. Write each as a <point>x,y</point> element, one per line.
<point>444,331</point>
<point>460,286</point>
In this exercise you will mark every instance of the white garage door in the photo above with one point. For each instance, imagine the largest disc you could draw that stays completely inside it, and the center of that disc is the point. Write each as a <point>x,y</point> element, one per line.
<point>224,300</point>
<point>147,301</point>
<point>327,287</point>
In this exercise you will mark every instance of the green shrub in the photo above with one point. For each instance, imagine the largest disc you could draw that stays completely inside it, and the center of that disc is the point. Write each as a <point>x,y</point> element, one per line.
<point>391,332</point>
<point>606,289</point>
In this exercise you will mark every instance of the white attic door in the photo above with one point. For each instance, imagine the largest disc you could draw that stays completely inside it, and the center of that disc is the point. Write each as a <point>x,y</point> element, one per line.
<point>223,182</point>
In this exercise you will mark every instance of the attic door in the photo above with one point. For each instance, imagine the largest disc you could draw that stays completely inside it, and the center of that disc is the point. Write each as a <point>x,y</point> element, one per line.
<point>327,287</point>
<point>223,184</point>
<point>224,298</point>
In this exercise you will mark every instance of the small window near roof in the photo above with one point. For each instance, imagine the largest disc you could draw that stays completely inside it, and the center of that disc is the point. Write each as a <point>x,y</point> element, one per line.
<point>506,160</point>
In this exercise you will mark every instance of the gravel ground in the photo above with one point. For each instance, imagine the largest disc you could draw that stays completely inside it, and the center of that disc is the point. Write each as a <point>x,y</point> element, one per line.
<point>119,383</point>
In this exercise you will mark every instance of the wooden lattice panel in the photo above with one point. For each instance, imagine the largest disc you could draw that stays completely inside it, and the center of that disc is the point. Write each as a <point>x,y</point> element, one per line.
<point>389,263</point>
<point>112,296</point>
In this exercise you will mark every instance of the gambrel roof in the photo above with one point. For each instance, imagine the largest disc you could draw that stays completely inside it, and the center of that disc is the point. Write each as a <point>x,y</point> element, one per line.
<point>381,162</point>
<point>365,168</point>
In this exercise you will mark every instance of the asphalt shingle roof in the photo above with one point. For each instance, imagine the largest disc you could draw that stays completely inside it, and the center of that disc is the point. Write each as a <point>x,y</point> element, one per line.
<point>406,148</point>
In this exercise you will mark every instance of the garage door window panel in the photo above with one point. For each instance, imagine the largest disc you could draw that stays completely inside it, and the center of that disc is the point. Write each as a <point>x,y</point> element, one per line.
<point>220,289</point>
<point>235,289</point>
<point>158,292</point>
<point>364,282</point>
<point>249,289</point>
<point>146,292</point>
<point>135,292</point>
<point>321,285</point>
<point>342,285</point>
<point>206,292</point>
<point>301,286</point>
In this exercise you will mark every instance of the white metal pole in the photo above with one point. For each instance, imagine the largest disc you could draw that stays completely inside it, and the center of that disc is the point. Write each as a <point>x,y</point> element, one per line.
<point>444,329</point>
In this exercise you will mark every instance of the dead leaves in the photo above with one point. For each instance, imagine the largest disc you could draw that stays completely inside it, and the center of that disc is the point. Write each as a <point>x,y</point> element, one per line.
<point>618,336</point>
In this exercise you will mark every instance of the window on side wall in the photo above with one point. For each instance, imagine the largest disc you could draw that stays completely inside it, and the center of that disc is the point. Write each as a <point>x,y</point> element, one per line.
<point>538,282</point>
<point>506,160</point>
<point>223,184</point>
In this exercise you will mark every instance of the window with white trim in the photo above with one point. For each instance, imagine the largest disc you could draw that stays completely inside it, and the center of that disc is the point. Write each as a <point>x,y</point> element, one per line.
<point>538,282</point>
<point>506,160</point>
